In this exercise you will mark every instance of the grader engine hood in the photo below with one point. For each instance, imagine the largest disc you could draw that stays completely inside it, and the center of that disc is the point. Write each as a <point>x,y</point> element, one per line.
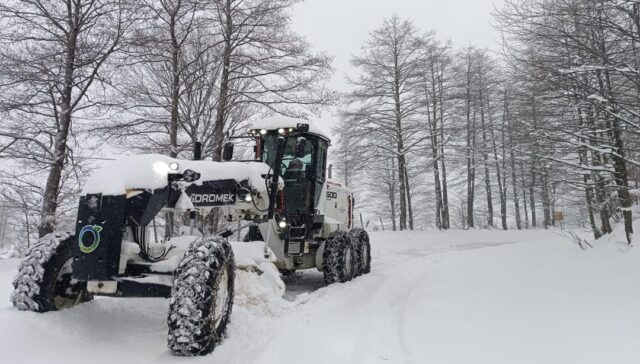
<point>210,184</point>
<point>131,192</point>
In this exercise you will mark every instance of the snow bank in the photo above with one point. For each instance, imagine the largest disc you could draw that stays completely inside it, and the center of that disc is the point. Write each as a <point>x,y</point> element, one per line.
<point>258,282</point>
<point>150,172</point>
<point>8,251</point>
<point>539,302</point>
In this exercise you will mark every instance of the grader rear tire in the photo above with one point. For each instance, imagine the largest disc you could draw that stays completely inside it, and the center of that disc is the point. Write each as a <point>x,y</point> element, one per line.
<point>338,258</point>
<point>360,239</point>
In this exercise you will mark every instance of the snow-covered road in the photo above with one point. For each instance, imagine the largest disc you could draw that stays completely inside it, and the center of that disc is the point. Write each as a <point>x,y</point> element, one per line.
<point>431,297</point>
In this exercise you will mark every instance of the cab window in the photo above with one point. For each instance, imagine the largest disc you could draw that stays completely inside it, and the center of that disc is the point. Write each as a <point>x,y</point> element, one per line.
<point>321,165</point>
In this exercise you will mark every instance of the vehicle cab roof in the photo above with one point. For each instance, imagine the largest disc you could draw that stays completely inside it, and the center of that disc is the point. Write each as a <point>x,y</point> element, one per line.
<point>279,121</point>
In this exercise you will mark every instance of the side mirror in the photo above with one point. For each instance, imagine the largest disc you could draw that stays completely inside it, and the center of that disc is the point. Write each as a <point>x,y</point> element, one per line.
<point>301,145</point>
<point>227,151</point>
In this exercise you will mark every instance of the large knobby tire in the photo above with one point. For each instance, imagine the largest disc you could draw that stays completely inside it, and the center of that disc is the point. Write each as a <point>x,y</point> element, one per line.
<point>201,297</point>
<point>44,281</point>
<point>360,240</point>
<point>338,258</point>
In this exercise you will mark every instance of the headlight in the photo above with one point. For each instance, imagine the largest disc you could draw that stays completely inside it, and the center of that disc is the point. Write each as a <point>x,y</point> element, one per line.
<point>282,224</point>
<point>263,132</point>
<point>173,166</point>
<point>248,198</point>
<point>281,131</point>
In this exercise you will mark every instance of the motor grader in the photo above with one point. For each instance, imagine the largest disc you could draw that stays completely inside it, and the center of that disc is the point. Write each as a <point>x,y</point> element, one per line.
<point>282,195</point>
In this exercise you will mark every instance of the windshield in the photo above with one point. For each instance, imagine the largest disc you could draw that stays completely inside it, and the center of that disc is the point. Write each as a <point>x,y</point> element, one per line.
<point>290,162</point>
<point>297,172</point>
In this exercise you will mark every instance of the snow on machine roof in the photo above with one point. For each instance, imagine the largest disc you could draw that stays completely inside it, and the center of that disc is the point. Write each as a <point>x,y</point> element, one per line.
<point>279,121</point>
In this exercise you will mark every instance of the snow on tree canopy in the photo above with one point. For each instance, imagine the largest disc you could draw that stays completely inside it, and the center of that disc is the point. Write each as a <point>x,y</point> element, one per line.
<point>151,171</point>
<point>277,122</point>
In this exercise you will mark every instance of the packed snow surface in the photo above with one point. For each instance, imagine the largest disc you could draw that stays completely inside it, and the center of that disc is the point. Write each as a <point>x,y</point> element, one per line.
<point>431,297</point>
<point>150,171</point>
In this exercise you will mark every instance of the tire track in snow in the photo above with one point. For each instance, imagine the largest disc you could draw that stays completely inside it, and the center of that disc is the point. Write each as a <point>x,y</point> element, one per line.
<point>382,336</point>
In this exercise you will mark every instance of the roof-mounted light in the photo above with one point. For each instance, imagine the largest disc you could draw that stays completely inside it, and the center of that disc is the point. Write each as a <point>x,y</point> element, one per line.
<point>302,127</point>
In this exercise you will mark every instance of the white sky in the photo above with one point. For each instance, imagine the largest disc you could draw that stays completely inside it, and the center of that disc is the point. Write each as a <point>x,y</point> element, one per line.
<point>340,27</point>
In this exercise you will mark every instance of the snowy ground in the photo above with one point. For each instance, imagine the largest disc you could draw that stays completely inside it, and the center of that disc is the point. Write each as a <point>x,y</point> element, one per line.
<point>456,297</point>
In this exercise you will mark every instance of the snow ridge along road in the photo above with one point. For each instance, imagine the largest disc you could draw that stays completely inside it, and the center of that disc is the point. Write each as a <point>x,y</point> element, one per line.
<point>431,297</point>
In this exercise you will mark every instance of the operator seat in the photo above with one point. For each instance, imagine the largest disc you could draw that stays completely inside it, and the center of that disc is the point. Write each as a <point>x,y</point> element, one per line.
<point>297,187</point>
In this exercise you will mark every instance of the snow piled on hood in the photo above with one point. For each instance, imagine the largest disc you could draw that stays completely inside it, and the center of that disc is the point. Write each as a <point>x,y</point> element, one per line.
<point>150,171</point>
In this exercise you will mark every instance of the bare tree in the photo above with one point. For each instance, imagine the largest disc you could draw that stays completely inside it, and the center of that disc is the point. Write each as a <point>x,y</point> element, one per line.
<point>173,57</point>
<point>264,63</point>
<point>52,58</point>
<point>386,99</point>
<point>435,75</point>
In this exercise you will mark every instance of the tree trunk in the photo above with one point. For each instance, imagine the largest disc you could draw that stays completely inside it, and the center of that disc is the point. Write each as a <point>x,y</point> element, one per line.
<point>546,201</point>
<point>532,198</point>
<point>524,195</point>
<point>589,196</point>
<point>392,194</point>
<point>514,178</point>
<point>221,110</point>
<point>502,188</point>
<point>175,90</point>
<point>470,152</point>
<point>403,193</point>
<point>432,121</point>
<point>586,177</point>
<point>437,191</point>
<point>514,183</point>
<point>446,224</point>
<point>409,207</point>
<point>485,157</point>
<point>52,187</point>
<point>620,168</point>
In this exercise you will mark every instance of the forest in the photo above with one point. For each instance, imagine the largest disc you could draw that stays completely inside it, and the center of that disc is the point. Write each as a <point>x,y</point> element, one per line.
<point>540,132</point>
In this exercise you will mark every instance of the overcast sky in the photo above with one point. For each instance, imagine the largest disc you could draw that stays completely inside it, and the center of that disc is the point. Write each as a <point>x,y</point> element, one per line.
<point>340,27</point>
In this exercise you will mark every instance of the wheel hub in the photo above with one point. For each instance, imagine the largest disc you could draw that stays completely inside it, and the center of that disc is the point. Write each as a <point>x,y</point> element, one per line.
<point>65,293</point>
